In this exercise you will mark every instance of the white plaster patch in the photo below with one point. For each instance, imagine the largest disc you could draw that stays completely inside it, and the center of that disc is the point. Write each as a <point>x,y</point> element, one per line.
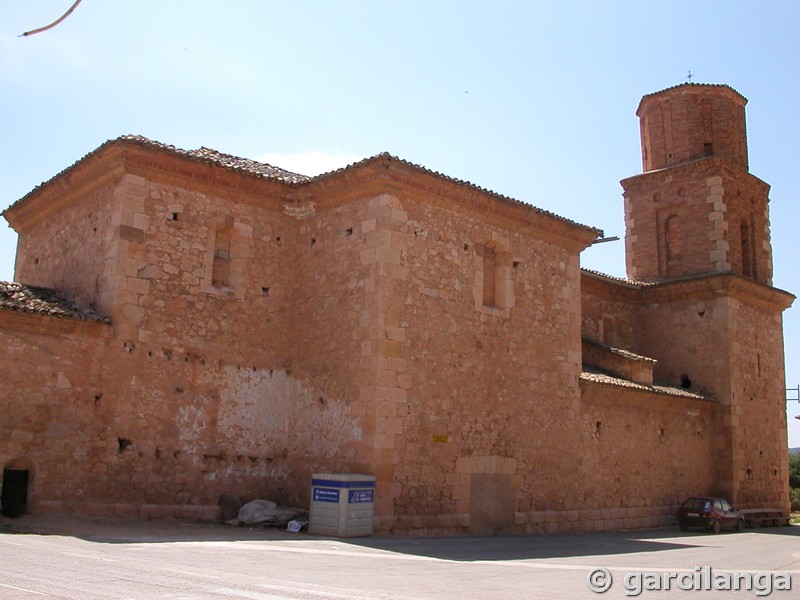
<point>263,411</point>
<point>191,423</point>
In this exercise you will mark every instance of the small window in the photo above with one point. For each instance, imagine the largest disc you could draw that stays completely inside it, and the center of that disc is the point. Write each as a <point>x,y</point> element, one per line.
<point>489,276</point>
<point>494,287</point>
<point>673,245</point>
<point>221,271</point>
<point>747,249</point>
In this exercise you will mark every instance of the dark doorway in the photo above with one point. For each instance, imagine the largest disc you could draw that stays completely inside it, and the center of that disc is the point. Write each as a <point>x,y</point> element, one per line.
<point>14,498</point>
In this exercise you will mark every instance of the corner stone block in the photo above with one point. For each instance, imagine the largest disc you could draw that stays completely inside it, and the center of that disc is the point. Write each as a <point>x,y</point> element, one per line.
<point>137,285</point>
<point>508,466</point>
<point>464,464</point>
<point>369,256</point>
<point>243,230</point>
<point>141,221</point>
<point>399,215</point>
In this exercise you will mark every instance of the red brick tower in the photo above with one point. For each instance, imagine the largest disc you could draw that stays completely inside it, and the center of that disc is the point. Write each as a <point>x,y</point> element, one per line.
<point>696,209</point>
<point>697,225</point>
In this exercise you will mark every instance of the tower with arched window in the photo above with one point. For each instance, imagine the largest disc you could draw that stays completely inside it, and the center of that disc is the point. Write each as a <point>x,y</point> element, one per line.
<point>695,209</point>
<point>697,232</point>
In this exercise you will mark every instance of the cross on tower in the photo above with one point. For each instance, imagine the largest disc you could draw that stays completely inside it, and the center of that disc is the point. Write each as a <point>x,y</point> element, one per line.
<point>689,77</point>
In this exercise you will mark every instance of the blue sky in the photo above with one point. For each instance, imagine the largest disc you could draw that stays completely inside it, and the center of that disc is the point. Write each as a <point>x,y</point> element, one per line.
<point>534,100</point>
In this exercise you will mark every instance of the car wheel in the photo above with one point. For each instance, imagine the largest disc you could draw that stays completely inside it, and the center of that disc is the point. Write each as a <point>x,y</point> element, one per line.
<point>715,526</point>
<point>739,524</point>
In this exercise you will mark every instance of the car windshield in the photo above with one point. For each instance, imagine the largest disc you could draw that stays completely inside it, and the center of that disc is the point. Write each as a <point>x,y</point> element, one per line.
<point>698,503</point>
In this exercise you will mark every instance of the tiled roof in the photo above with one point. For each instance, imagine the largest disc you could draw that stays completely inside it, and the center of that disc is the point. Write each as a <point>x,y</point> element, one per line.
<point>689,84</point>
<point>228,161</point>
<point>207,155</point>
<point>619,351</point>
<point>422,169</point>
<point>597,376</point>
<point>41,301</point>
<point>622,280</point>
<point>267,171</point>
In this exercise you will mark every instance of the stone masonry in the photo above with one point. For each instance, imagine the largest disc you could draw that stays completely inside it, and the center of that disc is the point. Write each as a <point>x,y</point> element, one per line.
<point>189,323</point>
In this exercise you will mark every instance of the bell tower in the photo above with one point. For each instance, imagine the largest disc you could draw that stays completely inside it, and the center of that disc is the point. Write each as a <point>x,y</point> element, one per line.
<point>695,210</point>
<point>697,229</point>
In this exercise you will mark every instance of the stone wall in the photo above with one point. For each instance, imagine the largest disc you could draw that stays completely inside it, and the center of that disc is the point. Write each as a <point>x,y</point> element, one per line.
<point>53,421</point>
<point>608,311</point>
<point>71,253</point>
<point>484,401</point>
<point>389,320</point>
<point>757,418</point>
<point>641,454</point>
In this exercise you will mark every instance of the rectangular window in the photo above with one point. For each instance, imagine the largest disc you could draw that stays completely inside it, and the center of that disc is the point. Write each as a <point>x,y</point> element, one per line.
<point>221,270</point>
<point>489,276</point>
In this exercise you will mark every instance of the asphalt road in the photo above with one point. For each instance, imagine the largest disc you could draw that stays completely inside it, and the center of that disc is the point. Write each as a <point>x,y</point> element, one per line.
<point>104,559</point>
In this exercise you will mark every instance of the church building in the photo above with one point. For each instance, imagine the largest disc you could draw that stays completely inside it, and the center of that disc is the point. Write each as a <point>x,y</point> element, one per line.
<point>187,323</point>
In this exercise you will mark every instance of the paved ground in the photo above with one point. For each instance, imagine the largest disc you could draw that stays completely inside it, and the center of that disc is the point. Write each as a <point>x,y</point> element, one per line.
<point>90,559</point>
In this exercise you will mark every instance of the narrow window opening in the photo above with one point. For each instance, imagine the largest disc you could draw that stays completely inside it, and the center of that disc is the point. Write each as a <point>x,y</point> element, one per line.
<point>747,256</point>
<point>494,278</point>
<point>489,276</point>
<point>221,271</point>
<point>173,216</point>
<point>686,383</point>
<point>14,496</point>
<point>673,244</point>
<point>708,149</point>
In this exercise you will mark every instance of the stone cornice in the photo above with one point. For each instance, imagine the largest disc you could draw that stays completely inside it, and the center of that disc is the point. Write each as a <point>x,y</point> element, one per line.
<point>630,183</point>
<point>80,180</point>
<point>371,177</point>
<point>690,88</point>
<point>604,285</point>
<point>725,284</point>
<point>696,286</point>
<point>386,174</point>
<point>165,167</point>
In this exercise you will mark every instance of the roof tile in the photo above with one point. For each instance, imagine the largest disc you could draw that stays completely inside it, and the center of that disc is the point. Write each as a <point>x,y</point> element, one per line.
<point>41,301</point>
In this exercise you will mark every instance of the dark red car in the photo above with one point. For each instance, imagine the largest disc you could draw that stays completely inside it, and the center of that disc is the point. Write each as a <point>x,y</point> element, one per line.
<point>710,513</point>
